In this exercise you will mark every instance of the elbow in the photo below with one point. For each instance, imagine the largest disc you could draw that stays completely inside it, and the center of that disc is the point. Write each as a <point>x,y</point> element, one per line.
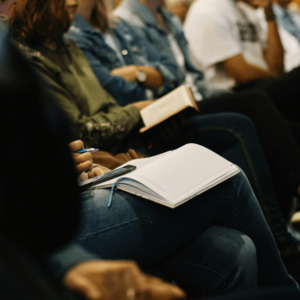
<point>243,77</point>
<point>157,82</point>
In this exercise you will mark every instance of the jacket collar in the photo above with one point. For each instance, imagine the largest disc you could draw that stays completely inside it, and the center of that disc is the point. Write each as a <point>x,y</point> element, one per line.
<point>141,11</point>
<point>81,23</point>
<point>147,17</point>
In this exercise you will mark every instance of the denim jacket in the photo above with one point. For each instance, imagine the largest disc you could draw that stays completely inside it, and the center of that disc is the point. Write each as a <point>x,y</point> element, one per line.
<point>135,51</point>
<point>136,13</point>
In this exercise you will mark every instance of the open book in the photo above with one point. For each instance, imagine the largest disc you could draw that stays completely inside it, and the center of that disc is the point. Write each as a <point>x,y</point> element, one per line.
<point>175,177</point>
<point>167,106</point>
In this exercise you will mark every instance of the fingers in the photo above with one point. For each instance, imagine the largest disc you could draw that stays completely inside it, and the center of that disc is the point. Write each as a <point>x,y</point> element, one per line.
<point>122,281</point>
<point>85,287</point>
<point>133,154</point>
<point>76,146</point>
<point>158,289</point>
<point>83,162</point>
<point>84,167</point>
<point>97,171</point>
<point>80,158</point>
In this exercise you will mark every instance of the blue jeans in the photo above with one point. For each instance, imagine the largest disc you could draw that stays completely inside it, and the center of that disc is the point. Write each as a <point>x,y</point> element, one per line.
<point>233,137</point>
<point>217,242</point>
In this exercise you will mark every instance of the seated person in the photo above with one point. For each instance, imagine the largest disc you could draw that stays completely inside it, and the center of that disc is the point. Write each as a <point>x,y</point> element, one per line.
<point>126,65</point>
<point>291,45</point>
<point>237,55</point>
<point>37,223</point>
<point>102,123</point>
<point>242,55</point>
<point>157,25</point>
<point>179,7</point>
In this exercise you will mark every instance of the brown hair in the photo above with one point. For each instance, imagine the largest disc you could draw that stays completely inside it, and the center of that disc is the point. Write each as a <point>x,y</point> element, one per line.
<point>102,15</point>
<point>39,21</point>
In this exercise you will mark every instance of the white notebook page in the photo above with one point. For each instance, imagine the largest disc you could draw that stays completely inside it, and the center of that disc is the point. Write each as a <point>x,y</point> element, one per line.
<point>181,171</point>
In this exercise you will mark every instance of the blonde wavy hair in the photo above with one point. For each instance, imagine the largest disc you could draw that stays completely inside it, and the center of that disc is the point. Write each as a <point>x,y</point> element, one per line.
<point>102,15</point>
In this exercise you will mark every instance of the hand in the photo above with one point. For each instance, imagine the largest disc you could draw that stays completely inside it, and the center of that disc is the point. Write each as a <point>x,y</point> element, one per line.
<point>266,5</point>
<point>143,104</point>
<point>122,280</point>
<point>129,73</point>
<point>97,171</point>
<point>83,162</point>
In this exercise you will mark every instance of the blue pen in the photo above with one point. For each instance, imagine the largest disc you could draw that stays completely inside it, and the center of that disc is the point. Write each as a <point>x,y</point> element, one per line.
<point>92,150</point>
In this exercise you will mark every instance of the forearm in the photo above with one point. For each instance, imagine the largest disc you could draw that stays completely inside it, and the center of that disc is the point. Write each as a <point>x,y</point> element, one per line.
<point>242,72</point>
<point>253,73</point>
<point>274,54</point>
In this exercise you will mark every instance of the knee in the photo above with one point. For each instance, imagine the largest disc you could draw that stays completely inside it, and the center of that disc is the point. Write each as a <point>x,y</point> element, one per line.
<point>241,262</point>
<point>256,97</point>
<point>238,125</point>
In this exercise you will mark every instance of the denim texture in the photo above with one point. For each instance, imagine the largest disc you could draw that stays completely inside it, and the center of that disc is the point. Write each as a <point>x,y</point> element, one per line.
<point>136,13</point>
<point>233,136</point>
<point>137,229</point>
<point>286,19</point>
<point>216,260</point>
<point>135,49</point>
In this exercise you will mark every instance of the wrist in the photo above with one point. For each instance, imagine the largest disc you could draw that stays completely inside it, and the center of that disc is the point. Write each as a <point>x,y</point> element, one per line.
<point>269,13</point>
<point>141,76</point>
<point>270,17</point>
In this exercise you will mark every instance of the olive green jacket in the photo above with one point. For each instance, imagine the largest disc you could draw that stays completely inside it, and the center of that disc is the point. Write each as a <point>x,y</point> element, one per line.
<point>94,114</point>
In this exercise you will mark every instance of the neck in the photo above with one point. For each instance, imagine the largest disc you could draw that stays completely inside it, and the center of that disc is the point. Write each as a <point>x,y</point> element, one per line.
<point>249,2</point>
<point>285,6</point>
<point>152,5</point>
<point>85,9</point>
<point>51,45</point>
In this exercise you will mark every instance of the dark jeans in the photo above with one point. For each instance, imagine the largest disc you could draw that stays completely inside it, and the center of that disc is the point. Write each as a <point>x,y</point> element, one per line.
<point>277,141</point>
<point>272,294</point>
<point>233,137</point>
<point>199,256</point>
<point>284,91</point>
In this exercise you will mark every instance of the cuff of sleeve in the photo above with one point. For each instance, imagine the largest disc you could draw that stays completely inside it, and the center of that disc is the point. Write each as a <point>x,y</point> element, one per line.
<point>134,112</point>
<point>169,79</point>
<point>61,261</point>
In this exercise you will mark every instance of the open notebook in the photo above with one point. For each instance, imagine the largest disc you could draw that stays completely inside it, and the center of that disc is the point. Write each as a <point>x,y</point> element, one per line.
<point>175,177</point>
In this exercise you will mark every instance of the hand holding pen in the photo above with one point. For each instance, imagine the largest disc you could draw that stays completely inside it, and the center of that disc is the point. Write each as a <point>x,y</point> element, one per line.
<point>83,159</point>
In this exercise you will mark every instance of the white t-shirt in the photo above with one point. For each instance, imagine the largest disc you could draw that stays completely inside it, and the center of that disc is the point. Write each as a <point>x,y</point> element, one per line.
<point>220,29</point>
<point>189,79</point>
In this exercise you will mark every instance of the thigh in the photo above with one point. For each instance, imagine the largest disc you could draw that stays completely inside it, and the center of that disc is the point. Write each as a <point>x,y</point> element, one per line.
<point>141,230</point>
<point>266,294</point>
<point>284,90</point>
<point>219,261</point>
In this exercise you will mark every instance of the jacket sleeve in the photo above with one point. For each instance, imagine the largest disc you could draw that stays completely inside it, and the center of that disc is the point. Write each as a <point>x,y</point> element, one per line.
<point>122,91</point>
<point>61,261</point>
<point>103,129</point>
<point>172,74</point>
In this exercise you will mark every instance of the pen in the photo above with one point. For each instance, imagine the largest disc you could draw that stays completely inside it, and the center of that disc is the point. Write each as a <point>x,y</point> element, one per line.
<point>92,150</point>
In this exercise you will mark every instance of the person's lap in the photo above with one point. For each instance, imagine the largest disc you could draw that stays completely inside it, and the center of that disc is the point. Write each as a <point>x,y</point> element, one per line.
<point>149,231</point>
<point>278,141</point>
<point>137,229</point>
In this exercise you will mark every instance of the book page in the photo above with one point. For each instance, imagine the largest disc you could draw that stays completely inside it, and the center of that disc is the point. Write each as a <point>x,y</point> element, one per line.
<point>181,171</point>
<point>174,177</point>
<point>139,163</point>
<point>166,106</point>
